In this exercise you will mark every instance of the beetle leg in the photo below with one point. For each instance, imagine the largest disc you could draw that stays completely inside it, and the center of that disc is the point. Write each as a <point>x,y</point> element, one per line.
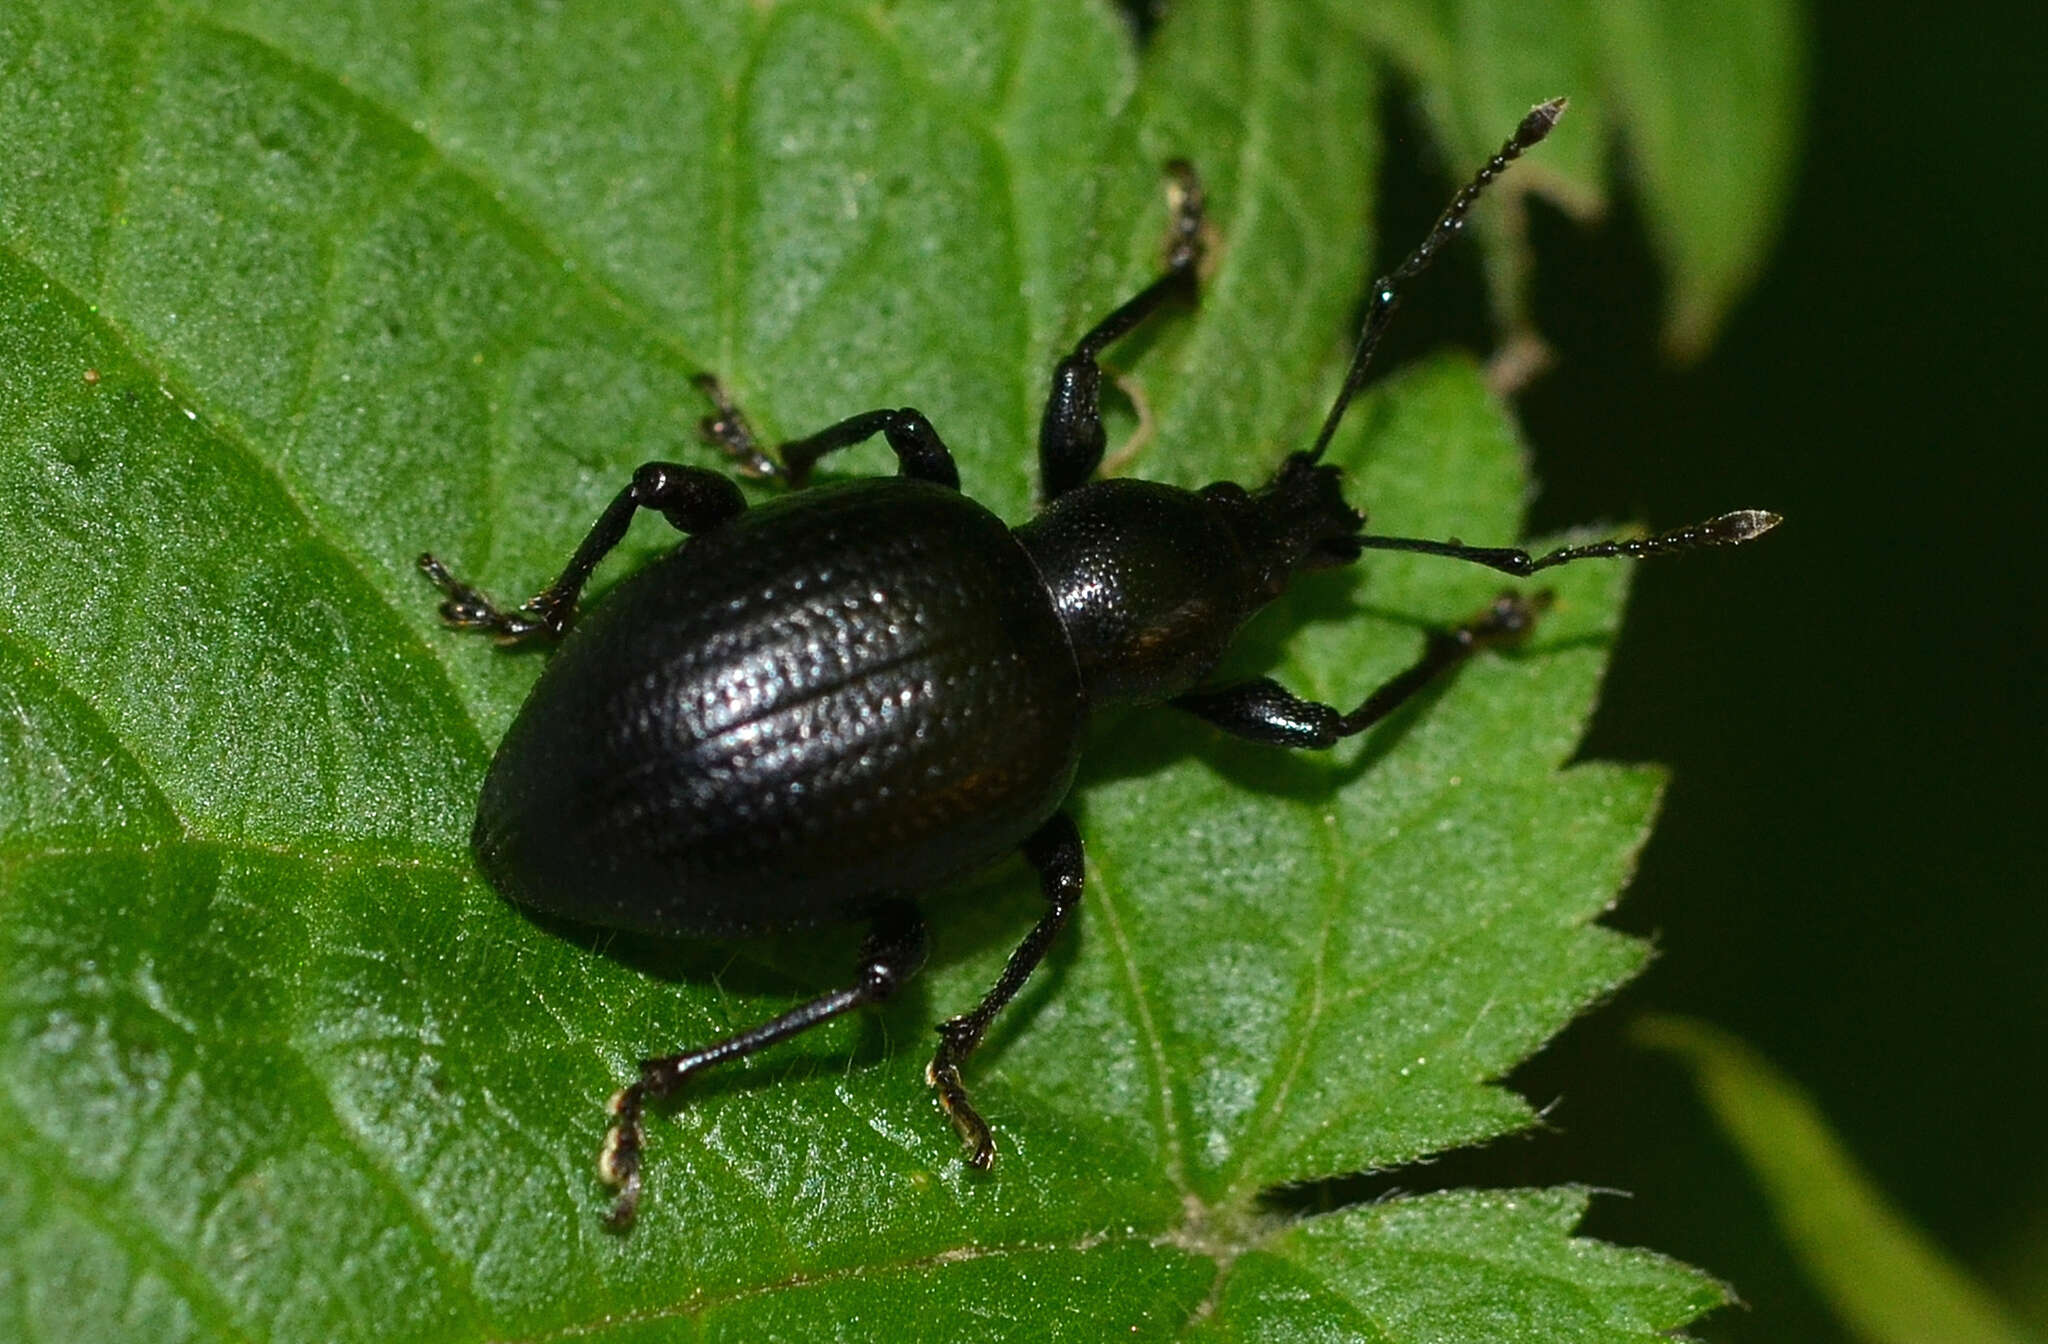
<point>920,453</point>
<point>691,498</point>
<point>892,954</point>
<point>1264,711</point>
<point>1054,849</point>
<point>1070,436</point>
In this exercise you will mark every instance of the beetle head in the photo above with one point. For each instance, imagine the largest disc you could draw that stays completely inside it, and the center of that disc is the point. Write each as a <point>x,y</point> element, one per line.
<point>1298,520</point>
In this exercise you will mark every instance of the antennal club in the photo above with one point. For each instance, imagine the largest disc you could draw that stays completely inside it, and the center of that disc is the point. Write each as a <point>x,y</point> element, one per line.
<point>1386,294</point>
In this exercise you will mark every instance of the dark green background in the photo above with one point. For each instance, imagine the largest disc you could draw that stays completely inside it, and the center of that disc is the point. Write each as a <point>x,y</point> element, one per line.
<point>1848,870</point>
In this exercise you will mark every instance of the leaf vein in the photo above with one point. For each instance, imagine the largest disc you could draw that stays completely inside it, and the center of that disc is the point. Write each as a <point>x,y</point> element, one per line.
<point>701,1304</point>
<point>140,82</point>
<point>1148,1030</point>
<point>236,445</point>
<point>129,1234</point>
<point>12,641</point>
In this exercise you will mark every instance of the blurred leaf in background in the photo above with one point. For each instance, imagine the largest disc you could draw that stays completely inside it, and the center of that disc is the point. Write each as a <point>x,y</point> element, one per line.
<point>287,295</point>
<point>1886,1281</point>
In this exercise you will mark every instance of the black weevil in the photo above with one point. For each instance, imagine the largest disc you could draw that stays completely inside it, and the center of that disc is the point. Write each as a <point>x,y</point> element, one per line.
<point>820,708</point>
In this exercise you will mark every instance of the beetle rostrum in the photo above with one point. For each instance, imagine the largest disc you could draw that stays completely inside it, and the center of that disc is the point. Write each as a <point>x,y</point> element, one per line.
<point>827,706</point>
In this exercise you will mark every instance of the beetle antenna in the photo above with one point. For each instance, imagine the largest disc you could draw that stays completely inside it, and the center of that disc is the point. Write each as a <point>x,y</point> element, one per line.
<point>1729,529</point>
<point>1386,290</point>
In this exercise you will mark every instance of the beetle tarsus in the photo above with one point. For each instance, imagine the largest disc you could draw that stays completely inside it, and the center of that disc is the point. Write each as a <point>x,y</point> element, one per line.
<point>618,1162</point>
<point>1187,238</point>
<point>727,430</point>
<point>467,608</point>
<point>943,1073</point>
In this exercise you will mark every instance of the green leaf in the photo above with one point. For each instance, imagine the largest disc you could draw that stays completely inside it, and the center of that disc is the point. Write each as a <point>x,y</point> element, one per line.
<point>1886,1281</point>
<point>290,293</point>
<point>1709,91</point>
<point>1479,1266</point>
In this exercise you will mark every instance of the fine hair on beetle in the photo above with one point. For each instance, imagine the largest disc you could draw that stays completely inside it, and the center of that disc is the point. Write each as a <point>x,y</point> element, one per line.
<point>831,705</point>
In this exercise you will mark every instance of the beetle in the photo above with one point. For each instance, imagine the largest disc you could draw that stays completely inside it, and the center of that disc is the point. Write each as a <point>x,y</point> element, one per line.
<point>821,708</point>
